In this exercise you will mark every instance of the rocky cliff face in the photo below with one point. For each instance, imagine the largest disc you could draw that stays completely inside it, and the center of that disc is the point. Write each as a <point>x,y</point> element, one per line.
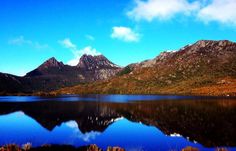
<point>88,62</point>
<point>98,66</point>
<point>203,57</point>
<point>203,50</point>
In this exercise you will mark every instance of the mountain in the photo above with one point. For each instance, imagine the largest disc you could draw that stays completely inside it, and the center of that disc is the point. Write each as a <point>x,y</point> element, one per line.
<point>52,75</point>
<point>97,67</point>
<point>204,68</point>
<point>51,66</point>
<point>89,62</point>
<point>9,83</point>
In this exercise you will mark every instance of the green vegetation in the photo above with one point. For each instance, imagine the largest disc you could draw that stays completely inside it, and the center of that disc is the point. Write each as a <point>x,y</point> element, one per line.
<point>124,71</point>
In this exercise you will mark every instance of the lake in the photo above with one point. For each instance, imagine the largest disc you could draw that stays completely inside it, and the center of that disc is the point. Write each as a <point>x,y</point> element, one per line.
<point>134,122</point>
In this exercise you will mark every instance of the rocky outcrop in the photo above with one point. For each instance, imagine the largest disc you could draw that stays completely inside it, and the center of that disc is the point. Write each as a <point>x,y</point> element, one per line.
<point>99,66</point>
<point>89,62</point>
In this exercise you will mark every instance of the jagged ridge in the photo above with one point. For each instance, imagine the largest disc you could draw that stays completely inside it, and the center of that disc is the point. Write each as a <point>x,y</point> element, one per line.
<point>205,68</point>
<point>52,75</point>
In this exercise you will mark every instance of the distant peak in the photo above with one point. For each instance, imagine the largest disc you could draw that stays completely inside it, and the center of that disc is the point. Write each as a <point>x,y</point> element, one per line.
<point>52,58</point>
<point>90,62</point>
<point>92,56</point>
<point>51,62</point>
<point>204,43</point>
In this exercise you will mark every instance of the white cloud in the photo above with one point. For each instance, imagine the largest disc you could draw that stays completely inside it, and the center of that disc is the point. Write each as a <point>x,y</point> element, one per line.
<point>21,72</point>
<point>72,124</point>
<point>90,37</point>
<point>40,46</point>
<point>125,34</point>
<point>87,137</point>
<point>22,41</point>
<point>68,44</point>
<point>78,52</point>
<point>161,9</point>
<point>19,41</point>
<point>223,11</point>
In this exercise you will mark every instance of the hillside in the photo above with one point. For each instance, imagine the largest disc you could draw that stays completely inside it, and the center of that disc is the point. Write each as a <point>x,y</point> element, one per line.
<point>204,68</point>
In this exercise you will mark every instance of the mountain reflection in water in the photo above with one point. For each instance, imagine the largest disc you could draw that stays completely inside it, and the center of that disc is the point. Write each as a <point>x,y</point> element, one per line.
<point>145,125</point>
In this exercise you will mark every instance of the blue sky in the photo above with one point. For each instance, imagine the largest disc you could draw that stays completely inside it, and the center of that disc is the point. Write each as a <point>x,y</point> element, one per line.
<point>125,31</point>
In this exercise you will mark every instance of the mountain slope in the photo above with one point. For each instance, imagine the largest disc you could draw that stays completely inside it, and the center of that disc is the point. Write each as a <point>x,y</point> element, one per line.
<point>52,75</point>
<point>51,66</point>
<point>97,67</point>
<point>9,83</point>
<point>206,68</point>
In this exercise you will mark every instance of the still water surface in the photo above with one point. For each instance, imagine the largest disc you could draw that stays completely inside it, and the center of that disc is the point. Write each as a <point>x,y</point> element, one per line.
<point>134,122</point>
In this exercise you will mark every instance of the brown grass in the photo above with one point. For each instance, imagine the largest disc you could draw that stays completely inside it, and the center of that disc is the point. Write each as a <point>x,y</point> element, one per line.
<point>208,86</point>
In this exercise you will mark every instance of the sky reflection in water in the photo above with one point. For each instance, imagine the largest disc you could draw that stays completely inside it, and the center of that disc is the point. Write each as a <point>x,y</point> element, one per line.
<point>115,124</point>
<point>19,128</point>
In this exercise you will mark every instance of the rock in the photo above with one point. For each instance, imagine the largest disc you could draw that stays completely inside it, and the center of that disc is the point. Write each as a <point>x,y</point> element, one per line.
<point>168,82</point>
<point>89,62</point>
<point>221,82</point>
<point>202,43</point>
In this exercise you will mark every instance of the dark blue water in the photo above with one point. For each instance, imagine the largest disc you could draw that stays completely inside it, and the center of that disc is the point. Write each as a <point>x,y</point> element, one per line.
<point>23,121</point>
<point>19,128</point>
<point>105,98</point>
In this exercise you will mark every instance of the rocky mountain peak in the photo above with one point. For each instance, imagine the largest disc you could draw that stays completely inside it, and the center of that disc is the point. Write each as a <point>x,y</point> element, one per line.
<point>212,43</point>
<point>89,62</point>
<point>207,50</point>
<point>209,46</point>
<point>52,62</point>
<point>46,67</point>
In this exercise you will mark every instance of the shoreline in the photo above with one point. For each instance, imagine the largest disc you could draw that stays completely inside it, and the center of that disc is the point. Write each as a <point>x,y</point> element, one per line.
<point>46,147</point>
<point>56,94</point>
